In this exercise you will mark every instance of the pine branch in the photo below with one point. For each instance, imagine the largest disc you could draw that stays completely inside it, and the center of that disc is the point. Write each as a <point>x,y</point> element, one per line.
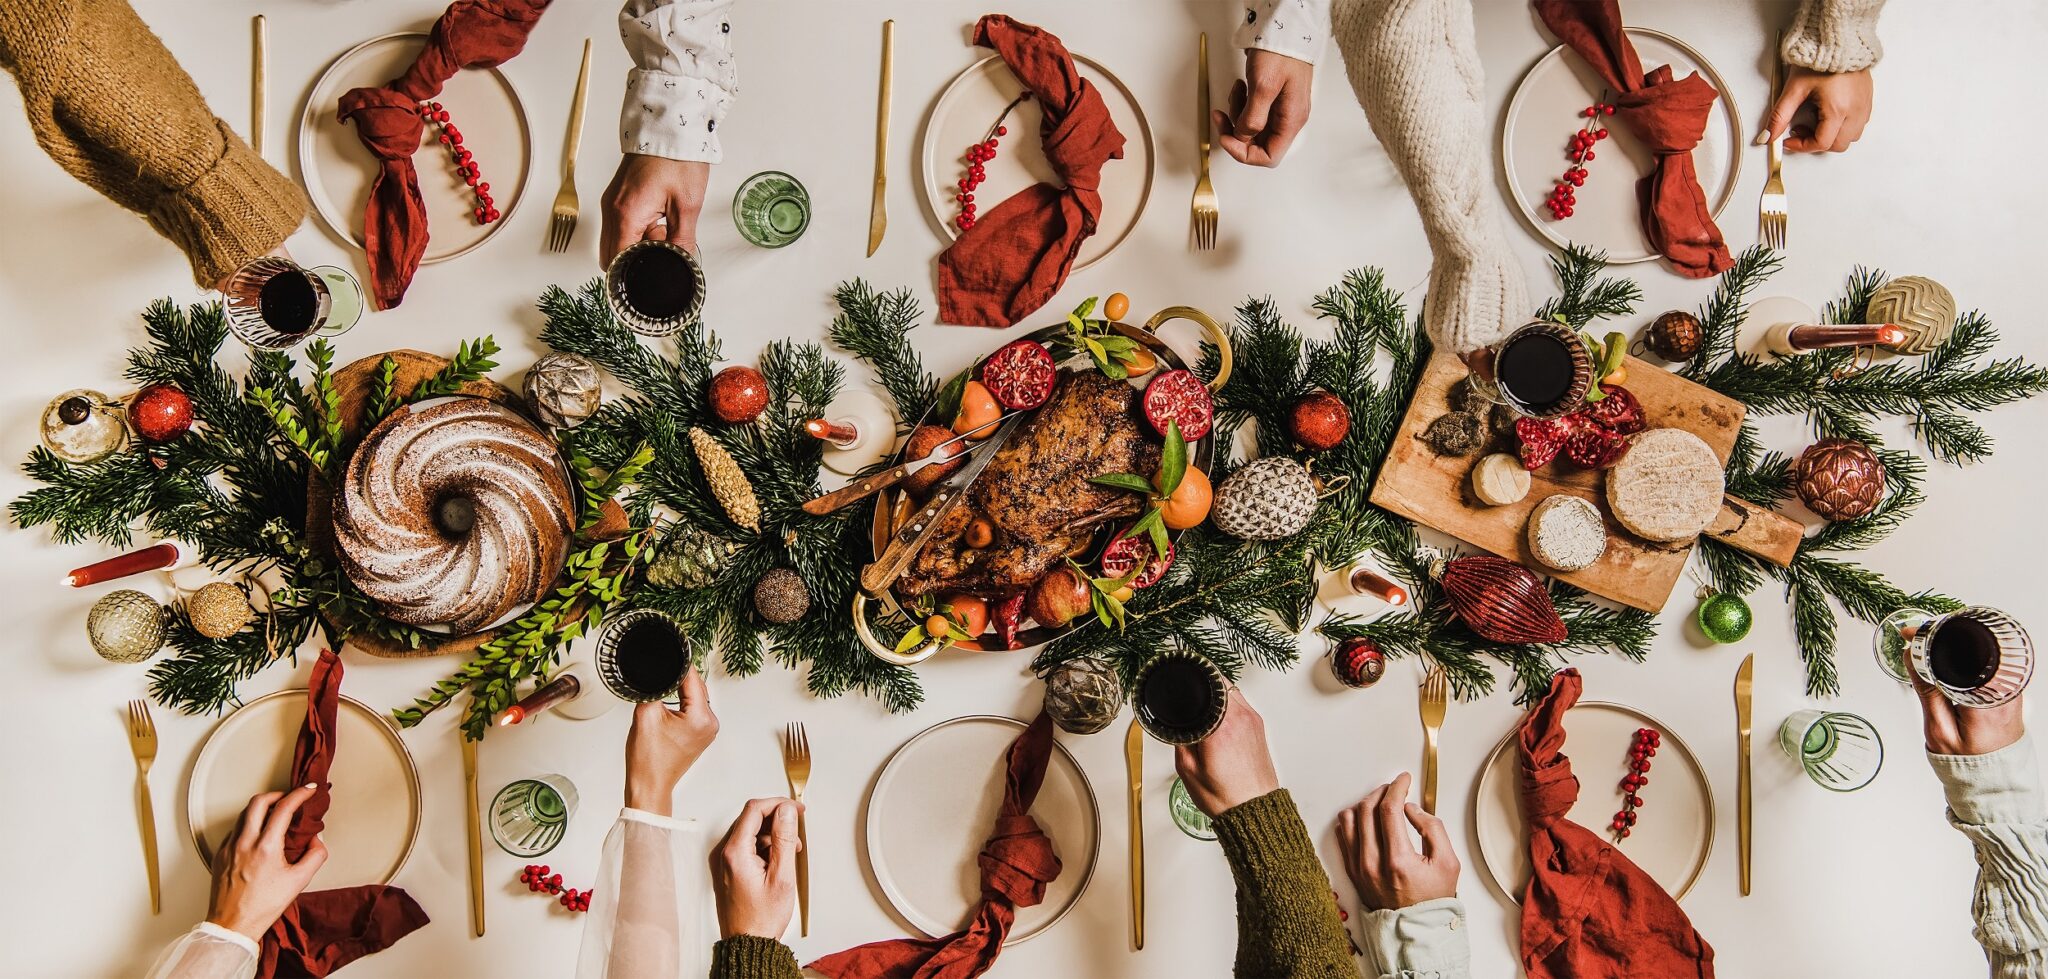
<point>1722,316</point>
<point>875,327</point>
<point>1582,295</point>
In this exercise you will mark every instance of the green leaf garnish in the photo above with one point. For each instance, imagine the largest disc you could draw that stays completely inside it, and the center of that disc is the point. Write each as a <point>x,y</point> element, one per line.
<point>1124,481</point>
<point>1173,461</point>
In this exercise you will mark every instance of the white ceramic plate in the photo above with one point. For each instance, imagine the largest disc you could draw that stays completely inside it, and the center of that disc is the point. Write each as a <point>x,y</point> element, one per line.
<point>375,815</point>
<point>337,170</point>
<point>1673,835</point>
<point>973,100</point>
<point>1543,114</point>
<point>931,810</point>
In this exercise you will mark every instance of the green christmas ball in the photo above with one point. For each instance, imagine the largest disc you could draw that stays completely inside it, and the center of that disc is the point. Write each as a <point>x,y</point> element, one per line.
<point>1724,618</point>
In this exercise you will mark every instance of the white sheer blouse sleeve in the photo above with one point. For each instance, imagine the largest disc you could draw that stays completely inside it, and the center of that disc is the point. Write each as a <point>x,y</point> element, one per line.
<point>649,912</point>
<point>207,952</point>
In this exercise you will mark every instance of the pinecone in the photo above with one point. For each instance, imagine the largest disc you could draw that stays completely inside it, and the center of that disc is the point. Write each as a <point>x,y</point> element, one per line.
<point>1676,335</point>
<point>1839,479</point>
<point>1267,499</point>
<point>728,483</point>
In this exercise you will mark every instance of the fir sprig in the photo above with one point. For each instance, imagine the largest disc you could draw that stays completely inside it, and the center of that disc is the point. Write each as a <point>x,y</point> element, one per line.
<point>876,328</point>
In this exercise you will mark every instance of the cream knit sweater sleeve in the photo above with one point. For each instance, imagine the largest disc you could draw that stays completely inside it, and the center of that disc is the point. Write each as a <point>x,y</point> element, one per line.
<point>1834,35</point>
<point>1415,67</point>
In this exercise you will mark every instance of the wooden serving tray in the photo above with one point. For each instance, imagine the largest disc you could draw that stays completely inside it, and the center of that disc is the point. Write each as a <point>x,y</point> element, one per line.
<point>1435,491</point>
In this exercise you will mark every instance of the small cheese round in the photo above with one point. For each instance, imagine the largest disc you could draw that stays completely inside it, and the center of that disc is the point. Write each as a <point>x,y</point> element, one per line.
<point>1499,480</point>
<point>1566,533</point>
<point>1667,488</point>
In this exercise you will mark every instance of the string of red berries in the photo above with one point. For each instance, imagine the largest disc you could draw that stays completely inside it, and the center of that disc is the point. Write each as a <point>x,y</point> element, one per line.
<point>977,155</point>
<point>537,879</point>
<point>486,210</point>
<point>1640,752</point>
<point>1564,196</point>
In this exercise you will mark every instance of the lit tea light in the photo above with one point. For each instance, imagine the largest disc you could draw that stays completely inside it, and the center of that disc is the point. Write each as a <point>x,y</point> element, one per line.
<point>153,558</point>
<point>844,434</point>
<point>1791,339</point>
<point>1365,581</point>
<point>556,692</point>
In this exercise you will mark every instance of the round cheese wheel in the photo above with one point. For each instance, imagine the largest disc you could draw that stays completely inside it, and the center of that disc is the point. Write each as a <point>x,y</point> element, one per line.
<point>1667,488</point>
<point>1567,533</point>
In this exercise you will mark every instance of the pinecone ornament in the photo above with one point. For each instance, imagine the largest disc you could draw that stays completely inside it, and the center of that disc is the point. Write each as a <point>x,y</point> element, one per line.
<point>688,558</point>
<point>1676,335</point>
<point>1083,695</point>
<point>1501,600</point>
<point>1839,479</point>
<point>1267,499</point>
<point>1358,662</point>
<point>728,484</point>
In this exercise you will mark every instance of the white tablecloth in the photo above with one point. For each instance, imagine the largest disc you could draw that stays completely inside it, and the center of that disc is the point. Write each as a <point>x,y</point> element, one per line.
<point>1946,184</point>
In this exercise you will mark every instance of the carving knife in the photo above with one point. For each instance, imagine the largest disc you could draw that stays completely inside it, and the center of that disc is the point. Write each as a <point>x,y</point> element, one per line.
<point>1743,679</point>
<point>873,483</point>
<point>1134,762</point>
<point>911,537</point>
<point>878,217</point>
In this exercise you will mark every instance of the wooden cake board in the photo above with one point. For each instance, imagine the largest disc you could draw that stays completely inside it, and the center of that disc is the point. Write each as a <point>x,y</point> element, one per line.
<point>1435,491</point>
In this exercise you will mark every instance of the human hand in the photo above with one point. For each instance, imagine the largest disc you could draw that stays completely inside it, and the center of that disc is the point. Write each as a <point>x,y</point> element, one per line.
<point>1267,109</point>
<point>1843,100</point>
<point>1232,765</point>
<point>1383,863</point>
<point>664,743</point>
<point>652,197</point>
<point>1952,730</point>
<point>252,881</point>
<point>753,871</point>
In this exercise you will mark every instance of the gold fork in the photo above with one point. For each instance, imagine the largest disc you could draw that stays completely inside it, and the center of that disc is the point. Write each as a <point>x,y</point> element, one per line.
<point>142,741</point>
<point>562,226</point>
<point>1436,696</point>
<point>1204,206</point>
<point>796,765</point>
<point>1771,210</point>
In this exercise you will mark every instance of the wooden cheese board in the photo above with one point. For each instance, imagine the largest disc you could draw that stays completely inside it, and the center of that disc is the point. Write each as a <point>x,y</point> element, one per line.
<point>1435,491</point>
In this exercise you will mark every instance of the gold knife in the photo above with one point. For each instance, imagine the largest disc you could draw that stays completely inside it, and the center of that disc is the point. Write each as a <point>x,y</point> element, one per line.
<point>1743,678</point>
<point>258,87</point>
<point>878,217</point>
<point>1134,761</point>
<point>476,834</point>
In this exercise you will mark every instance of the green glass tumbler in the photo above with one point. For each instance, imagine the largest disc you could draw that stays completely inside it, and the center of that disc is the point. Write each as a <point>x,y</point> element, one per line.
<point>1188,817</point>
<point>771,209</point>
<point>530,816</point>
<point>1838,751</point>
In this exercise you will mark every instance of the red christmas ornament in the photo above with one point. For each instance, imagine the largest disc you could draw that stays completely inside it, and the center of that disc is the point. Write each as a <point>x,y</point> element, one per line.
<point>1501,600</point>
<point>1640,752</point>
<point>1319,421</point>
<point>1358,662</point>
<point>160,413</point>
<point>738,395</point>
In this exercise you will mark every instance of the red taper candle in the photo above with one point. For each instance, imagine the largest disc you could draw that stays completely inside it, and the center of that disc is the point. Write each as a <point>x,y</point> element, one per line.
<point>560,690</point>
<point>154,558</point>
<point>1365,582</point>
<point>837,433</point>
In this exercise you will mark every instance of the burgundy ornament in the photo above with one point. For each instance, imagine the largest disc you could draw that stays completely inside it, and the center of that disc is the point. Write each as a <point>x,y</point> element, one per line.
<point>1501,600</point>
<point>1358,662</point>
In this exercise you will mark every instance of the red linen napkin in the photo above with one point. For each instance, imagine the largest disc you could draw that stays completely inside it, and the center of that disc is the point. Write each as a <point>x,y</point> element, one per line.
<point>325,930</point>
<point>1016,864</point>
<point>469,34</point>
<point>1589,912</point>
<point>1016,255</point>
<point>1667,116</point>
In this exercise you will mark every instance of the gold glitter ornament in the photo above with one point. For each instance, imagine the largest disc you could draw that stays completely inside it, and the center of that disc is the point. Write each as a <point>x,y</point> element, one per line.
<point>219,610</point>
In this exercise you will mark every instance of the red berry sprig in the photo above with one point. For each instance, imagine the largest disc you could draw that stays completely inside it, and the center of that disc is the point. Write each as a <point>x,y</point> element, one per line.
<point>486,210</point>
<point>1640,752</point>
<point>1563,196</point>
<point>977,155</point>
<point>537,879</point>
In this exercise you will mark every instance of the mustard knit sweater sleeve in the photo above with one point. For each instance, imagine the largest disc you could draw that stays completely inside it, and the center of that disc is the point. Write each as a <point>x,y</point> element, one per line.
<point>1287,924</point>
<point>113,108</point>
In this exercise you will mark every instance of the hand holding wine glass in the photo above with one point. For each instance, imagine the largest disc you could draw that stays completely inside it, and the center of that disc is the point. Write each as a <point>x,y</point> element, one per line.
<point>1954,730</point>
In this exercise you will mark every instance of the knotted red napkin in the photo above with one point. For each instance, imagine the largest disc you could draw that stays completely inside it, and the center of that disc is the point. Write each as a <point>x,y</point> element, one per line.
<point>325,930</point>
<point>1016,864</point>
<point>469,34</point>
<point>1017,255</point>
<point>1667,116</point>
<point>1589,912</point>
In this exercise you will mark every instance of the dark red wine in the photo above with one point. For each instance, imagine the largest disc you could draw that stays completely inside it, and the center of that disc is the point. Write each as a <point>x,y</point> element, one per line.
<point>1963,653</point>
<point>1535,369</point>
<point>657,283</point>
<point>1179,695</point>
<point>650,656</point>
<point>288,302</point>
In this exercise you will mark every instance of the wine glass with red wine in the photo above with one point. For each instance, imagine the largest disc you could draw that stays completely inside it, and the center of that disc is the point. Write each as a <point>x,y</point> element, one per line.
<point>1541,370</point>
<point>655,288</point>
<point>275,304</point>
<point>1976,657</point>
<point>642,655</point>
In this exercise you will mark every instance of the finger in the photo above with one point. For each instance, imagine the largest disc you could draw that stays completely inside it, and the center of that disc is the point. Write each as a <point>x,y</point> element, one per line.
<point>1290,113</point>
<point>739,840</point>
<point>614,237</point>
<point>695,695</point>
<point>1241,150</point>
<point>1370,849</point>
<point>280,819</point>
<point>1940,720</point>
<point>1829,131</point>
<point>1258,106</point>
<point>783,843</point>
<point>1783,109</point>
<point>313,859</point>
<point>1393,834</point>
<point>1436,839</point>
<point>252,818</point>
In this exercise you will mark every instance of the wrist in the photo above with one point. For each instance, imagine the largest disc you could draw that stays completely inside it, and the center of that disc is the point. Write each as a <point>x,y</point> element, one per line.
<point>242,925</point>
<point>645,797</point>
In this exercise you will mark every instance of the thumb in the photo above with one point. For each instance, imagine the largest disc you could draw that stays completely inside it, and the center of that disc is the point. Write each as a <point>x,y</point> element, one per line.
<point>1788,103</point>
<point>783,843</point>
<point>310,862</point>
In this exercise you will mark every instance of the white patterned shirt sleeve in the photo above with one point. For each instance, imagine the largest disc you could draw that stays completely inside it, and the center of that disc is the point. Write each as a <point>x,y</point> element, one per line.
<point>1997,802</point>
<point>1299,29</point>
<point>683,81</point>
<point>1422,941</point>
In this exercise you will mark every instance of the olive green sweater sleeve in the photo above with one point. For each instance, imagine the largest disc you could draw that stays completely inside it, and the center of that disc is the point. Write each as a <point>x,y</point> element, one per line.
<point>110,105</point>
<point>1287,923</point>
<point>748,957</point>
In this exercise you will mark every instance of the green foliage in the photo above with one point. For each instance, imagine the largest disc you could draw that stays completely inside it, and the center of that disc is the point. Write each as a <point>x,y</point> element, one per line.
<point>471,362</point>
<point>876,328</point>
<point>383,396</point>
